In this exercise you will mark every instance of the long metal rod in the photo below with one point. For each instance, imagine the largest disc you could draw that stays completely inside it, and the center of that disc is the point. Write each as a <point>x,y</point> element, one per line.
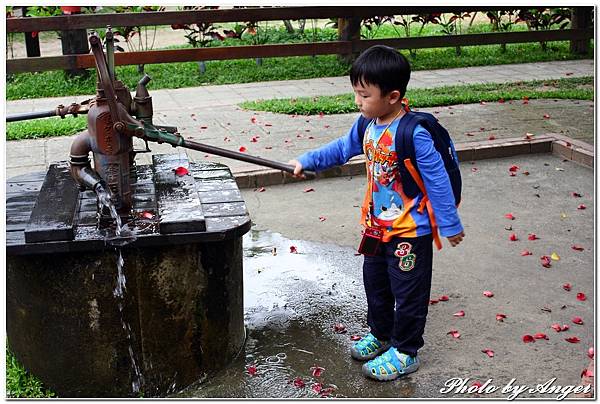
<point>30,115</point>
<point>242,157</point>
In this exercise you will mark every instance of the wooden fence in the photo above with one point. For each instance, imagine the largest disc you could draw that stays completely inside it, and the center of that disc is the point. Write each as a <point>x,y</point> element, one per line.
<point>349,43</point>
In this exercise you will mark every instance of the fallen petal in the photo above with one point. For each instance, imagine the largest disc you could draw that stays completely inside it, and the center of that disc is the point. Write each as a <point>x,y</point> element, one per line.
<point>181,171</point>
<point>443,298</point>
<point>545,261</point>
<point>500,317</point>
<point>513,168</point>
<point>298,382</point>
<point>317,370</point>
<point>587,373</point>
<point>533,236</point>
<point>261,189</point>
<point>577,247</point>
<point>591,352</point>
<point>577,320</point>
<point>546,116</point>
<point>339,328</point>
<point>488,352</point>
<point>355,337</point>
<point>488,293</point>
<point>581,297</point>
<point>526,252</point>
<point>293,249</point>
<point>309,190</point>
<point>492,137</point>
<point>567,287</point>
<point>433,301</point>
<point>322,218</point>
<point>454,333</point>
<point>576,195</point>
<point>556,327</point>
<point>540,335</point>
<point>251,370</point>
<point>253,119</point>
<point>581,207</point>
<point>242,149</point>
<point>528,338</point>
<point>572,340</point>
<point>564,328</point>
<point>459,313</point>
<point>513,237</point>
<point>317,387</point>
<point>509,216</point>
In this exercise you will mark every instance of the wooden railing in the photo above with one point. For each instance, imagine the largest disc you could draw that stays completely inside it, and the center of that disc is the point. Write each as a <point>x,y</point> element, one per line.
<point>580,33</point>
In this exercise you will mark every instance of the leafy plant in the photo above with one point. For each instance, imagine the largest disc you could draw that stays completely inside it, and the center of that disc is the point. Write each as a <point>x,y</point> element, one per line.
<point>373,24</point>
<point>502,21</point>
<point>453,26</point>
<point>20,383</point>
<point>540,18</point>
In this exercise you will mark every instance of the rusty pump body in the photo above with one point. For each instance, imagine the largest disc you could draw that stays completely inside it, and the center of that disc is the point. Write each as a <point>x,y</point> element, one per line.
<point>111,127</point>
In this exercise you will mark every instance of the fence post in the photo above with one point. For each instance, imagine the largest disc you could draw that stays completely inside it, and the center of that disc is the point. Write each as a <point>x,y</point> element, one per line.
<point>74,42</point>
<point>32,43</point>
<point>349,30</point>
<point>581,18</point>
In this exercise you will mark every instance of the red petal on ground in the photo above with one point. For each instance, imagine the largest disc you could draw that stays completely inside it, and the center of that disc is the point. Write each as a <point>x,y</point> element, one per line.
<point>591,352</point>
<point>443,298</point>
<point>326,126</point>
<point>513,237</point>
<point>546,116</point>
<point>525,172</point>
<point>501,100</point>
<point>567,287</point>
<point>203,127</point>
<point>355,337</point>
<point>500,317</point>
<point>581,207</point>
<point>476,384</point>
<point>242,149</point>
<point>532,236</point>
<point>546,261</point>
<point>317,370</point>
<point>454,333</point>
<point>512,174</point>
<point>470,134</point>
<point>529,136</point>
<point>317,387</point>
<point>459,313</point>
<point>528,338</point>
<point>322,218</point>
<point>311,137</point>
<point>34,34</point>
<point>433,301</point>
<point>513,168</point>
<point>564,328</point>
<point>321,114</point>
<point>556,327</point>
<point>253,119</point>
<point>254,140</point>
<point>261,189</point>
<point>327,391</point>
<point>309,190</point>
<point>481,129</point>
<point>181,171</point>
<point>540,335</point>
<point>488,293</point>
<point>576,195</point>
<point>488,352</point>
<point>293,249</point>
<point>572,340</point>
<point>581,297</point>
<point>147,215</point>
<point>577,247</point>
<point>268,124</point>
<point>251,370</point>
<point>577,320</point>
<point>492,137</point>
<point>587,373</point>
<point>526,252</point>
<point>298,382</point>
<point>509,216</point>
<point>339,328</point>
<point>268,147</point>
<point>474,169</point>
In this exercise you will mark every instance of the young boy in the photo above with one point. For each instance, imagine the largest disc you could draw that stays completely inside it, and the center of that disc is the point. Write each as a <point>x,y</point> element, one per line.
<point>398,278</point>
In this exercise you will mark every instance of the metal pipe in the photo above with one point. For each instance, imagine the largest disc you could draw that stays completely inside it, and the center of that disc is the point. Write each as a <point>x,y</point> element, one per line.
<point>110,52</point>
<point>30,115</point>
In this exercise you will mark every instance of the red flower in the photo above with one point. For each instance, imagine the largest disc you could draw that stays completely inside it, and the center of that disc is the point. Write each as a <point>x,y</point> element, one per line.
<point>309,190</point>
<point>525,253</point>
<point>251,370</point>
<point>488,352</point>
<point>581,207</point>
<point>488,293</point>
<point>577,247</point>
<point>317,370</point>
<point>355,337</point>
<point>572,340</point>
<point>513,237</point>
<point>242,149</point>
<point>546,262</point>
<point>577,320</point>
<point>581,297</point>
<point>500,317</point>
<point>540,335</point>
<point>317,387</point>
<point>591,352</point>
<point>528,338</point>
<point>509,216</point>
<point>513,168</point>
<point>567,287</point>
<point>443,298</point>
<point>532,236</point>
<point>492,137</point>
<point>546,116</point>
<point>293,249</point>
<point>459,313</point>
<point>322,218</point>
<point>339,328</point>
<point>253,119</point>
<point>181,171</point>
<point>433,301</point>
<point>298,382</point>
<point>454,333</point>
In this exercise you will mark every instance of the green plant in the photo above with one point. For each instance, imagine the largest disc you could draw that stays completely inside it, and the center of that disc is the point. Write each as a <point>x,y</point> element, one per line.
<point>545,18</point>
<point>372,25</point>
<point>502,21</point>
<point>20,383</point>
<point>42,128</point>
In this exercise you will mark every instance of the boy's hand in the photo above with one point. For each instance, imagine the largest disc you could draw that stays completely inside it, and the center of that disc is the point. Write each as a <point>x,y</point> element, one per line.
<point>456,239</point>
<point>297,169</point>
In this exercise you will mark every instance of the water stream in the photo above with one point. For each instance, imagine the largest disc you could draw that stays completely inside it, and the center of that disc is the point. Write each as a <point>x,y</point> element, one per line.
<point>121,286</point>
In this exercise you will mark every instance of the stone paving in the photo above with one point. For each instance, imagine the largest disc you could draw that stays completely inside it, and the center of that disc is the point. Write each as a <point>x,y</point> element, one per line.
<point>209,114</point>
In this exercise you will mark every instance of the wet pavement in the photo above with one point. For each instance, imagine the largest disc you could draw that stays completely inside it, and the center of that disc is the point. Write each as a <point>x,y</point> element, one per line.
<point>294,300</point>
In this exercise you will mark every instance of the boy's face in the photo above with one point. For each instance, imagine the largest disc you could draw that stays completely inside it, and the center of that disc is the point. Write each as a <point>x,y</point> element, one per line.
<point>371,103</point>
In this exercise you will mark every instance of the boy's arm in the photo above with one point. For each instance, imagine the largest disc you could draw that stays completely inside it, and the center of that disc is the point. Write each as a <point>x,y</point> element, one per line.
<point>334,153</point>
<point>437,184</point>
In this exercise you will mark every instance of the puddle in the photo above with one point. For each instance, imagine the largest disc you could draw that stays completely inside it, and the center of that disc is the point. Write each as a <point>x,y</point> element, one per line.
<point>291,303</point>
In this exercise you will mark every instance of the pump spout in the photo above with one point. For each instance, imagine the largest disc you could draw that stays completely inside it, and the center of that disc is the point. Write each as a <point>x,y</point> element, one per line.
<point>81,170</point>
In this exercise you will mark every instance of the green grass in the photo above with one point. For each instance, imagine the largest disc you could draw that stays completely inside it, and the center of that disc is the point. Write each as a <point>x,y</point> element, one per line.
<point>47,127</point>
<point>20,383</point>
<point>178,75</point>
<point>568,88</point>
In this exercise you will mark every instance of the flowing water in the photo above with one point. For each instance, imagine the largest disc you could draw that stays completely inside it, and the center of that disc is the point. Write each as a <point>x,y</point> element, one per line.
<point>121,286</point>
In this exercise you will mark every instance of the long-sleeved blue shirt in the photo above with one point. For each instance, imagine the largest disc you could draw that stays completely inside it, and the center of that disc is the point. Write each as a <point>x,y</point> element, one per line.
<point>391,209</point>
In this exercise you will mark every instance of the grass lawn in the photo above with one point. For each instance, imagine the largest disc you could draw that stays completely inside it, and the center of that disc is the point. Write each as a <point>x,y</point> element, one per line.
<point>568,88</point>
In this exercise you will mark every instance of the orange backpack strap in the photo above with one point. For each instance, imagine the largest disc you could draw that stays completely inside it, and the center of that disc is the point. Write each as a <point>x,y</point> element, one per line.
<point>425,201</point>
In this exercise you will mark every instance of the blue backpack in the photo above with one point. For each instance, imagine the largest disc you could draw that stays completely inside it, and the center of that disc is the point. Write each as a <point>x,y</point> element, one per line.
<point>405,149</point>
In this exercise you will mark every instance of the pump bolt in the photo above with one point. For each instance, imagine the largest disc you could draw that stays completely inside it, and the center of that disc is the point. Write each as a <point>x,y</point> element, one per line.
<point>119,127</point>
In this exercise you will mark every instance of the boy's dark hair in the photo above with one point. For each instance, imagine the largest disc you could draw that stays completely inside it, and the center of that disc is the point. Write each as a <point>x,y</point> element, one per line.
<point>383,67</point>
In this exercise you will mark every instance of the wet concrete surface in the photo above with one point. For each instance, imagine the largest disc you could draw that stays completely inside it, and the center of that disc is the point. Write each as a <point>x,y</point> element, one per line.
<point>294,300</point>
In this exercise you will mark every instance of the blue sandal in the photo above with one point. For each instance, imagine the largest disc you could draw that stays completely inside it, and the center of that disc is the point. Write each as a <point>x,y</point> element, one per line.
<point>368,347</point>
<point>390,365</point>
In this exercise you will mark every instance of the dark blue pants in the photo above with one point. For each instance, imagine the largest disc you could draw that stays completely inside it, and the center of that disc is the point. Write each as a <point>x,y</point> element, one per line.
<point>398,285</point>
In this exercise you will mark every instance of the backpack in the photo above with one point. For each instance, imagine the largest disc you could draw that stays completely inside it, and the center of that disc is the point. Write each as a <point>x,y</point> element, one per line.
<point>405,149</point>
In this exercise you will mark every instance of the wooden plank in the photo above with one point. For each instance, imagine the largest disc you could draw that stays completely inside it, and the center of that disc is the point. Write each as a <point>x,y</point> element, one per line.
<point>178,204</point>
<point>54,211</point>
<point>81,21</point>
<point>21,65</point>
